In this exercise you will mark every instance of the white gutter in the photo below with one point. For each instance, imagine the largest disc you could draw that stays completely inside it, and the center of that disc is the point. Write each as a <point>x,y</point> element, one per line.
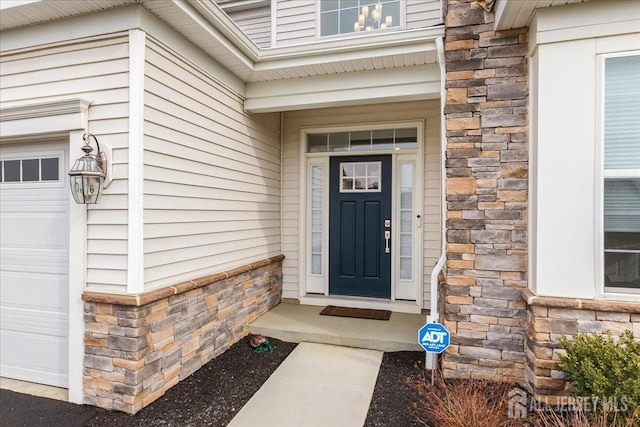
<point>434,316</point>
<point>211,12</point>
<point>222,29</point>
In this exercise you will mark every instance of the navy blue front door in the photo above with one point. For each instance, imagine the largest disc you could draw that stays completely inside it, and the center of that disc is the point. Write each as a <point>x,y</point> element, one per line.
<point>359,205</point>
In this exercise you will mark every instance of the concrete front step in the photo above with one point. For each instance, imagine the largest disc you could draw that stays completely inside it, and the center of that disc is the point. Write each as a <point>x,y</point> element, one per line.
<point>303,323</point>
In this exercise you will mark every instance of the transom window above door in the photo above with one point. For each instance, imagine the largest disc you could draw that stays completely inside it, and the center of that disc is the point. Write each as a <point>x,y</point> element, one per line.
<point>354,16</point>
<point>363,140</point>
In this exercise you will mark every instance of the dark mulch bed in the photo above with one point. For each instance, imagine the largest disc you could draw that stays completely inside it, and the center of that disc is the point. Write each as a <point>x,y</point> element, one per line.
<point>392,397</point>
<point>212,396</point>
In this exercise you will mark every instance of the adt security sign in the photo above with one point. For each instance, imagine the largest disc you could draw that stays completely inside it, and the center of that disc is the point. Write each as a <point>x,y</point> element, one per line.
<point>434,337</point>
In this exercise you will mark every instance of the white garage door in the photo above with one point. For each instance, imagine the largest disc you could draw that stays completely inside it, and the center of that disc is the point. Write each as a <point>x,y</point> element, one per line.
<point>34,249</point>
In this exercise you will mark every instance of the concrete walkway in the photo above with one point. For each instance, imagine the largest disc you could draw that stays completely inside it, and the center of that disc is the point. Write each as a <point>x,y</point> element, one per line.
<point>317,385</point>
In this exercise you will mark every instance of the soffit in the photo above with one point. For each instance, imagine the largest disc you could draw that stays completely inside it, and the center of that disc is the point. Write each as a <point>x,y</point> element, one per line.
<point>39,12</point>
<point>519,13</point>
<point>327,66</point>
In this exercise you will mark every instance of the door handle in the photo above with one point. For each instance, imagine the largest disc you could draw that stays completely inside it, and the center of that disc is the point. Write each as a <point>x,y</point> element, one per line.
<point>387,236</point>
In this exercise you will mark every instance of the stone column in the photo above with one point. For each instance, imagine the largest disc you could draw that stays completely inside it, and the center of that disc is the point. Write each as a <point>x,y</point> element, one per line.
<point>486,194</point>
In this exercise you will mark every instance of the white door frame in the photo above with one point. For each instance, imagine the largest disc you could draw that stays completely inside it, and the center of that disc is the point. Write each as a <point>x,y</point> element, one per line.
<point>321,283</point>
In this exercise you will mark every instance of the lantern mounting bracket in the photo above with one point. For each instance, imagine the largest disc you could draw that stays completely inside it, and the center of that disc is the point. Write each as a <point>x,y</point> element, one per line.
<point>103,157</point>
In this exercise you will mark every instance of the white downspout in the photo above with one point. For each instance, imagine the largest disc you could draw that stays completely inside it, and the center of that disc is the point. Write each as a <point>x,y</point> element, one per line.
<point>281,180</point>
<point>434,316</point>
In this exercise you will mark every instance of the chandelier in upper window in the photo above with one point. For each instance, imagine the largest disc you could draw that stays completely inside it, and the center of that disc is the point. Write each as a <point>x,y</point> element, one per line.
<point>372,21</point>
<point>349,16</point>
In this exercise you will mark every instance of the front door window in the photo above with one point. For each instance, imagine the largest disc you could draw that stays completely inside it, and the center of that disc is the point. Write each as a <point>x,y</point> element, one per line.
<point>359,176</point>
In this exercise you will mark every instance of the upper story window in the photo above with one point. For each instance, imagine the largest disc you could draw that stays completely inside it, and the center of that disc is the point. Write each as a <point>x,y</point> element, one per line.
<point>349,16</point>
<point>622,174</point>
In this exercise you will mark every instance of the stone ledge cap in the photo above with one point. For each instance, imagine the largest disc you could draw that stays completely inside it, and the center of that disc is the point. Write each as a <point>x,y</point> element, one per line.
<point>581,304</point>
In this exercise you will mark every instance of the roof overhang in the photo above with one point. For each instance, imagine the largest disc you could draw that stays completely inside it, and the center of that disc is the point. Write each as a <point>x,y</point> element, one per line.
<point>519,13</point>
<point>382,57</point>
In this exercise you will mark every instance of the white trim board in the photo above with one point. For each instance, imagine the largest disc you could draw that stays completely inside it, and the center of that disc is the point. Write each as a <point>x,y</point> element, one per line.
<point>365,87</point>
<point>135,252</point>
<point>584,21</point>
<point>406,295</point>
<point>359,302</point>
<point>47,117</point>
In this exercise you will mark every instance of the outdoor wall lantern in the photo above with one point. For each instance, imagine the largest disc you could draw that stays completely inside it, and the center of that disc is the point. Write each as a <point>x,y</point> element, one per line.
<point>88,174</point>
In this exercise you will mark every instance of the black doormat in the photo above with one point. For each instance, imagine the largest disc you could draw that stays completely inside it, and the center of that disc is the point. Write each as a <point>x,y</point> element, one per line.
<point>360,313</point>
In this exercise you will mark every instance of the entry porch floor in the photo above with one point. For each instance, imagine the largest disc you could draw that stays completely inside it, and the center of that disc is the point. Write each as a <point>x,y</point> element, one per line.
<point>303,323</point>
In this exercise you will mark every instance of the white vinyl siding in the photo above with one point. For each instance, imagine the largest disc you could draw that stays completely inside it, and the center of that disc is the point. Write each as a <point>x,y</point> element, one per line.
<point>423,13</point>
<point>295,22</point>
<point>96,69</point>
<point>360,115</point>
<point>211,174</point>
<point>256,23</point>
<point>432,212</point>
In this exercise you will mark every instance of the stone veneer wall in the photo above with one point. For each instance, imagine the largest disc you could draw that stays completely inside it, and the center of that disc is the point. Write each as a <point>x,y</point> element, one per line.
<point>139,346</point>
<point>486,191</point>
<point>550,318</point>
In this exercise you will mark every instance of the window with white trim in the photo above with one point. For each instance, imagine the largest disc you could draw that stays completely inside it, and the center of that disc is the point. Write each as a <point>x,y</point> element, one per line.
<point>354,16</point>
<point>317,222</point>
<point>407,230</point>
<point>30,170</point>
<point>621,198</point>
<point>360,177</point>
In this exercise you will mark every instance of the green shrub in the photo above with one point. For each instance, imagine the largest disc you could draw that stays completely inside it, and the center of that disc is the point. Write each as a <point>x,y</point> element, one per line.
<point>600,367</point>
